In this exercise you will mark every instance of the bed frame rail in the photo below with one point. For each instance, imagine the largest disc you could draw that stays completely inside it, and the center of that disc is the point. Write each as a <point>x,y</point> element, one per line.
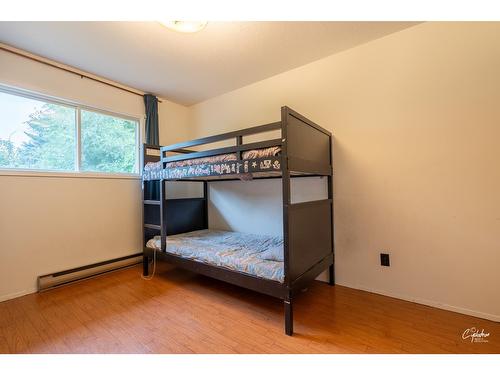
<point>225,136</point>
<point>238,146</point>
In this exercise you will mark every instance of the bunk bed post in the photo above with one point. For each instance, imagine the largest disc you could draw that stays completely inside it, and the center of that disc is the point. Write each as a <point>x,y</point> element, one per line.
<point>239,142</point>
<point>205,203</point>
<point>285,172</point>
<point>288,315</point>
<point>331,275</point>
<point>163,215</point>
<point>145,265</point>
<point>331,269</point>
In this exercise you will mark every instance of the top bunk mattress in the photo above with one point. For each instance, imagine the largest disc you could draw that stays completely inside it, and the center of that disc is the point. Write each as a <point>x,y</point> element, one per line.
<point>253,254</point>
<point>153,170</point>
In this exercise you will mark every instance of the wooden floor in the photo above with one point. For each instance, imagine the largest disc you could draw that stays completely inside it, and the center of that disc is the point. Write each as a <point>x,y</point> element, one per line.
<point>179,312</point>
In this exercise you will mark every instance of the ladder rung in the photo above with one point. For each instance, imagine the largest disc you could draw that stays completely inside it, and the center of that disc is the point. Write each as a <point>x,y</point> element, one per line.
<point>157,203</point>
<point>152,226</point>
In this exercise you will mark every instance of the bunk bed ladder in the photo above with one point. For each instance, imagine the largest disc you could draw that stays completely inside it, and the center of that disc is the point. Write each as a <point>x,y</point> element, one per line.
<point>151,204</point>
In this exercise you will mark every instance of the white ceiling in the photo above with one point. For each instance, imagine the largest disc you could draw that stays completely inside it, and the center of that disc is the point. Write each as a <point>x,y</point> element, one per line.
<point>189,68</point>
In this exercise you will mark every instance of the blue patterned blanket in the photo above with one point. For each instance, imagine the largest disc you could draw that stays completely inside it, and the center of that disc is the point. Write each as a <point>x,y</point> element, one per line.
<point>233,250</point>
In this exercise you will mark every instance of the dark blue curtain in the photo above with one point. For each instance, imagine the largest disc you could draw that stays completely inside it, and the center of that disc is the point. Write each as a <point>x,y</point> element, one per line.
<point>152,132</point>
<point>152,135</point>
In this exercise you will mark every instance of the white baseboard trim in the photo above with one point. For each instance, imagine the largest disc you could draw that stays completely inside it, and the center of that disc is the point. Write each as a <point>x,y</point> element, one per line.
<point>6,297</point>
<point>422,301</point>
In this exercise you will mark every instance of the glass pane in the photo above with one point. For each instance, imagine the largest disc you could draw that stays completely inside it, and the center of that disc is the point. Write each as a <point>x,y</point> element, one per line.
<point>108,143</point>
<point>36,135</point>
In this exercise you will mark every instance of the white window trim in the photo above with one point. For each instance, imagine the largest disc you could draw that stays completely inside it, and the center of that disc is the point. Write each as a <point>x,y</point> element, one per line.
<point>17,172</point>
<point>77,173</point>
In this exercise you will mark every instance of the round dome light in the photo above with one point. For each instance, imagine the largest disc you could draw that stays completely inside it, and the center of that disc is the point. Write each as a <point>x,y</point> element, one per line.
<point>185,26</point>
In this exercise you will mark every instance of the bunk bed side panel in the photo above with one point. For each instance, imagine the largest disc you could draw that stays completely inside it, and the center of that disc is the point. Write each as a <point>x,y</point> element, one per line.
<point>308,226</point>
<point>310,233</point>
<point>308,146</point>
<point>185,215</point>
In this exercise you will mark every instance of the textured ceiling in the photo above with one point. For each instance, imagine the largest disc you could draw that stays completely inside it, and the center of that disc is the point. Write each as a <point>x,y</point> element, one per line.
<point>189,68</point>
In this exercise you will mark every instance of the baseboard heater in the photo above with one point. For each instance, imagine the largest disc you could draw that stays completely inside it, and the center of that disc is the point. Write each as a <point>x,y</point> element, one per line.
<point>73,275</point>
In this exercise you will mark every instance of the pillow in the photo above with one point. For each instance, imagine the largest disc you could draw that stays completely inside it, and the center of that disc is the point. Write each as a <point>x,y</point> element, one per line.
<point>273,253</point>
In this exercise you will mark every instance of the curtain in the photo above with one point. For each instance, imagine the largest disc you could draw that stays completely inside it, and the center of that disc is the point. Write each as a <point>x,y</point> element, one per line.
<point>152,132</point>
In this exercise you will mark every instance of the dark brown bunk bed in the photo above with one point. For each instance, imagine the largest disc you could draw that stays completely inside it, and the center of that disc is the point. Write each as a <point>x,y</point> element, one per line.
<point>304,149</point>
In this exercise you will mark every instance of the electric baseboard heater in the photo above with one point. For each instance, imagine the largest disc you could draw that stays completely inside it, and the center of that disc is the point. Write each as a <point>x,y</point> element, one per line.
<point>57,279</point>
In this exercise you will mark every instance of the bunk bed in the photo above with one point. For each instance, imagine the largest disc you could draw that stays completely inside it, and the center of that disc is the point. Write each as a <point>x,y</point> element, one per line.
<point>177,231</point>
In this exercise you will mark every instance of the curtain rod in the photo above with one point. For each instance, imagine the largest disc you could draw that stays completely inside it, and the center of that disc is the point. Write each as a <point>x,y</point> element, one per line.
<point>68,70</point>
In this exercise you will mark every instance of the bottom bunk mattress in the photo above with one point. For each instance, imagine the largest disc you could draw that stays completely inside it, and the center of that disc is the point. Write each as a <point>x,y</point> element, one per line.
<point>256,255</point>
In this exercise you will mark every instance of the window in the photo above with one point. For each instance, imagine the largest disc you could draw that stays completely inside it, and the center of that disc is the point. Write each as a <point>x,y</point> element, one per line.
<point>108,143</point>
<point>52,136</point>
<point>36,134</point>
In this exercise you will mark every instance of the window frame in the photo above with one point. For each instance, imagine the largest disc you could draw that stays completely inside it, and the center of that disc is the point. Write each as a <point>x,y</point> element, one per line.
<point>78,107</point>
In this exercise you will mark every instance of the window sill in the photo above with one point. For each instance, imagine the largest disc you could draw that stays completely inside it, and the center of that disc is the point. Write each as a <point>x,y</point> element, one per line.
<point>54,174</point>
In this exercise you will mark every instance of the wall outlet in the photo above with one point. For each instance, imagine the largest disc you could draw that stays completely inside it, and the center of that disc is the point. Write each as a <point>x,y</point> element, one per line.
<point>384,260</point>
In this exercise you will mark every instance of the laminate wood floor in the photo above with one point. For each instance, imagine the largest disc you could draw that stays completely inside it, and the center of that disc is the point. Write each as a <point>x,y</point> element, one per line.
<point>180,312</point>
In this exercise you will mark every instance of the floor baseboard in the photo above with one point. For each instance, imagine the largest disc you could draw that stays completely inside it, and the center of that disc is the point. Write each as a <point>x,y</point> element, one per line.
<point>7,297</point>
<point>422,301</point>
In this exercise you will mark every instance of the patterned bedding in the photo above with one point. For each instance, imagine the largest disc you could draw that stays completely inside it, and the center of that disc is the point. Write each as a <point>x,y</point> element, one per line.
<point>245,155</point>
<point>233,250</point>
<point>153,171</point>
<point>198,161</point>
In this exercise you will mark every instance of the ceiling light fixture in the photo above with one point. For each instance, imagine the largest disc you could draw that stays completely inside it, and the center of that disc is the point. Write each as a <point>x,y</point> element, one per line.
<point>185,26</point>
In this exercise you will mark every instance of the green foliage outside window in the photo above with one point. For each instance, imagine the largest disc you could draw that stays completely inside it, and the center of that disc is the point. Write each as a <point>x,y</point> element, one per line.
<point>108,143</point>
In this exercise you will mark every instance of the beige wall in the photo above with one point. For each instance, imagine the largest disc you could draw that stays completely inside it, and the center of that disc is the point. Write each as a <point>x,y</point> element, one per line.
<point>416,119</point>
<point>174,122</point>
<point>49,224</point>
